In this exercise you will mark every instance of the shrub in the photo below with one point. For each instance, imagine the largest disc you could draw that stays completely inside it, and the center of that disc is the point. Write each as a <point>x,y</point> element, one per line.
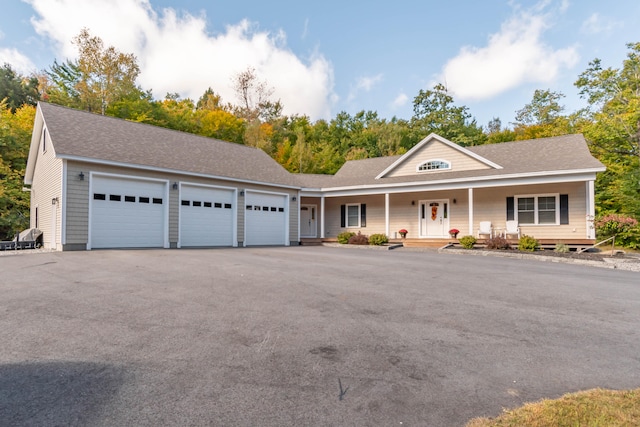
<point>497,242</point>
<point>625,228</point>
<point>378,239</point>
<point>359,239</point>
<point>561,248</point>
<point>467,242</point>
<point>528,243</point>
<point>344,237</point>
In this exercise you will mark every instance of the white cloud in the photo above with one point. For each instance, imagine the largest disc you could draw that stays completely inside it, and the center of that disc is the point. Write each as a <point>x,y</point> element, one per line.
<point>400,101</point>
<point>364,84</point>
<point>178,53</point>
<point>513,56</point>
<point>19,62</point>
<point>596,24</point>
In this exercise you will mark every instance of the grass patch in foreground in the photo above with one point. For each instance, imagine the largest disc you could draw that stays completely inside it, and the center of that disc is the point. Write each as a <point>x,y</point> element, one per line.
<point>595,407</point>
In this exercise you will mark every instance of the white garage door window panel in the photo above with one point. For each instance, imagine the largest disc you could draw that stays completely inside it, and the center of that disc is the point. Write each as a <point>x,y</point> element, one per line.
<point>208,219</point>
<point>127,213</point>
<point>266,226</point>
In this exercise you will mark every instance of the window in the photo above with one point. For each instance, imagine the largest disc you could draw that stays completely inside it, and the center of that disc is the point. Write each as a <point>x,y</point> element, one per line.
<point>542,209</point>
<point>431,165</point>
<point>353,215</point>
<point>157,201</point>
<point>130,198</point>
<point>44,140</point>
<point>207,204</point>
<point>143,200</point>
<point>227,205</point>
<point>197,203</point>
<point>115,197</point>
<point>99,196</point>
<point>184,203</point>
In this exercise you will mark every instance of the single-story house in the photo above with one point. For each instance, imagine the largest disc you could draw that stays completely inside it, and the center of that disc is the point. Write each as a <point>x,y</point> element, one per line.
<point>102,182</point>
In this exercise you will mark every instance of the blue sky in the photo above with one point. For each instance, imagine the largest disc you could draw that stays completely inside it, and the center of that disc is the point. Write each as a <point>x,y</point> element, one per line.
<point>321,58</point>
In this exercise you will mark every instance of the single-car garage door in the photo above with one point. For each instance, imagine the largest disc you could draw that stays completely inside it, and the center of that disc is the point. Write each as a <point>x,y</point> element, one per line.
<point>206,216</point>
<point>266,219</point>
<point>127,213</point>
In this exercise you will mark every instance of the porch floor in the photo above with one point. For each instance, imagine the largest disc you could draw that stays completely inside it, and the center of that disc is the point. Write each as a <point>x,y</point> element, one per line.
<point>573,244</point>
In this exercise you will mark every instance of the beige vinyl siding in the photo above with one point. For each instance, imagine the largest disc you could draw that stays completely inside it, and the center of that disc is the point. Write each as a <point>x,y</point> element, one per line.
<point>78,199</point>
<point>490,205</point>
<point>436,150</point>
<point>47,185</point>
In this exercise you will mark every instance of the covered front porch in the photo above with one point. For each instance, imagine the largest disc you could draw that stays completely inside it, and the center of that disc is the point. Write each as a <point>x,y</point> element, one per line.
<point>430,215</point>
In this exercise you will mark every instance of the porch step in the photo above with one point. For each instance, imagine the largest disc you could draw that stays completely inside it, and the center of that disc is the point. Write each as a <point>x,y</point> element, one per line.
<point>425,243</point>
<point>310,241</point>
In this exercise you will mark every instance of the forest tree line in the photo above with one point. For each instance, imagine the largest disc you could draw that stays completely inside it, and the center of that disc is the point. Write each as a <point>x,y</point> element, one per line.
<point>104,81</point>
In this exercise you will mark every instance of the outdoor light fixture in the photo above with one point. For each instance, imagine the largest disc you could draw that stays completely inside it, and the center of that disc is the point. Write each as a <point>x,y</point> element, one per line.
<point>294,198</point>
<point>454,201</point>
<point>175,185</point>
<point>81,176</point>
<point>413,203</point>
<point>242,193</point>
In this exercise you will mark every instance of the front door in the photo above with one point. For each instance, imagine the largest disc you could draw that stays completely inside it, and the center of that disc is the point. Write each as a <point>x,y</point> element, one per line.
<point>308,227</point>
<point>434,218</point>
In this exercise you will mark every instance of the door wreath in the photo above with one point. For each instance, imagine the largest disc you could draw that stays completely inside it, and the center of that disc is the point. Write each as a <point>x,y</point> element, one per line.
<point>434,212</point>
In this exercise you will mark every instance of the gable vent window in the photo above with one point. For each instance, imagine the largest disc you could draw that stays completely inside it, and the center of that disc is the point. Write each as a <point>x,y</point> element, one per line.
<point>432,165</point>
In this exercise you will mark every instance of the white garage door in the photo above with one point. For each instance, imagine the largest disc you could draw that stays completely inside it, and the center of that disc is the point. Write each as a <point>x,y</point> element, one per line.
<point>266,219</point>
<point>206,216</point>
<point>127,213</point>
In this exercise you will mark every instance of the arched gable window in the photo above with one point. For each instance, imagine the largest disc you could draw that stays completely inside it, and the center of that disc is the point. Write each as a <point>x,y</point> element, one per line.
<point>434,164</point>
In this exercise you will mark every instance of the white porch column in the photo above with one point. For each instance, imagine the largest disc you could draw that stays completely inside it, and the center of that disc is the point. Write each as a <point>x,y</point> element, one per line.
<point>386,214</point>
<point>322,216</point>
<point>591,209</point>
<point>471,211</point>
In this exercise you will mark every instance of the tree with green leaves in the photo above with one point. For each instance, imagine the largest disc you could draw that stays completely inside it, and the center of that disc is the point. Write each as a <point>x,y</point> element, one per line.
<point>15,137</point>
<point>17,90</point>
<point>614,130</point>
<point>434,110</point>
<point>100,77</point>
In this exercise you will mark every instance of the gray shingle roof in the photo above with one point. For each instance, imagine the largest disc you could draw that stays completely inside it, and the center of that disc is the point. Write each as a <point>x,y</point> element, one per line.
<point>86,135</point>
<point>534,156</point>
<point>93,137</point>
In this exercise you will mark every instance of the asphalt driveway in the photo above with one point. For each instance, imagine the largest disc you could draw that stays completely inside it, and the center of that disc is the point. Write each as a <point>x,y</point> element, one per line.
<point>267,336</point>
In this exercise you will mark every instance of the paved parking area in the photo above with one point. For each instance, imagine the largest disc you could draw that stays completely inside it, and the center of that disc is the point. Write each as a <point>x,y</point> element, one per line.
<point>266,336</point>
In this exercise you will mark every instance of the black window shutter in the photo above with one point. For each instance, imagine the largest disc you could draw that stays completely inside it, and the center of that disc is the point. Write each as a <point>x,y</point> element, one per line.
<point>343,216</point>
<point>564,209</point>
<point>510,208</point>
<point>363,215</point>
